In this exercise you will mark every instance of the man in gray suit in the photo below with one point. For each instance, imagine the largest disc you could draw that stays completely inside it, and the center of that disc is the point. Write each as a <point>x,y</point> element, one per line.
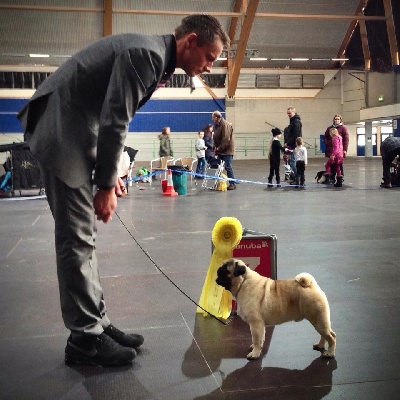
<point>76,124</point>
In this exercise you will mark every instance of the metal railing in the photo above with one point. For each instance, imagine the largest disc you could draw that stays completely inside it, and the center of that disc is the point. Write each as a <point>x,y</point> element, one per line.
<point>245,147</point>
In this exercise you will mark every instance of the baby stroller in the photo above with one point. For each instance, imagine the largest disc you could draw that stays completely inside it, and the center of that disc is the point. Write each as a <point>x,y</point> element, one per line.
<point>289,174</point>
<point>216,164</point>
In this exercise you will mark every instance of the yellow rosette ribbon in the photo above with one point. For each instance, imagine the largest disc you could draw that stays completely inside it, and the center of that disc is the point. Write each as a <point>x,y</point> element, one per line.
<point>226,235</point>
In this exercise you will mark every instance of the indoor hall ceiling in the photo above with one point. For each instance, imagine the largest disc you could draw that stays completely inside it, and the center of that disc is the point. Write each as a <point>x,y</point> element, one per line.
<point>315,30</point>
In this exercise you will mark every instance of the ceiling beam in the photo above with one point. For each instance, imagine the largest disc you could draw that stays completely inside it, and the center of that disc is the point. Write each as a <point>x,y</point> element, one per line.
<point>321,16</point>
<point>391,32</point>
<point>233,73</point>
<point>47,8</point>
<point>365,46</point>
<point>257,15</point>
<point>209,90</point>
<point>107,18</point>
<point>183,13</point>
<point>352,27</point>
<point>240,5</point>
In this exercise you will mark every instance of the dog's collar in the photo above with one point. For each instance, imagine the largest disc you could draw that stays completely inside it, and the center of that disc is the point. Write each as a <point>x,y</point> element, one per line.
<point>240,286</point>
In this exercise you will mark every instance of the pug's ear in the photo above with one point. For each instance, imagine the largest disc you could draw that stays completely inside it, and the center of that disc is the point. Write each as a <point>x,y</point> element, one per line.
<point>239,269</point>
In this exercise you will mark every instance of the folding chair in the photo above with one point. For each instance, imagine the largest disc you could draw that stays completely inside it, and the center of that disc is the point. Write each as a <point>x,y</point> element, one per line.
<point>160,164</point>
<point>218,165</point>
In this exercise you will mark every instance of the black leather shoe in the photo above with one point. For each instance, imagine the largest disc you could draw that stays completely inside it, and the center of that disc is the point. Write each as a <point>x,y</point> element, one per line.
<point>232,186</point>
<point>132,340</point>
<point>98,350</point>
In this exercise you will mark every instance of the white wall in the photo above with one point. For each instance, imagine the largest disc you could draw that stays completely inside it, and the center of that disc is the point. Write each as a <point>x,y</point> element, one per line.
<point>381,84</point>
<point>353,94</point>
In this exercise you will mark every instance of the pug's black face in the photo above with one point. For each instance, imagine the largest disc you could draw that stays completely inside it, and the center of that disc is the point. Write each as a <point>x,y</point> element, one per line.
<point>224,278</point>
<point>228,271</point>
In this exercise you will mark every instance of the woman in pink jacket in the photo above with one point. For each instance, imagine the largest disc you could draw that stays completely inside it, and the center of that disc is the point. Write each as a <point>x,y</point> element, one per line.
<point>336,157</point>
<point>344,133</point>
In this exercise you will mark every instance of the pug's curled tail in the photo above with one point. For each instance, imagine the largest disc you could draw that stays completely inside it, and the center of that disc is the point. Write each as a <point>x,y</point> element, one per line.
<point>305,279</point>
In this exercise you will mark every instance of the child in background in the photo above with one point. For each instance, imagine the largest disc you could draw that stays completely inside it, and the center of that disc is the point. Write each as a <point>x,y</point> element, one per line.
<point>300,155</point>
<point>275,156</point>
<point>336,157</point>
<point>200,148</point>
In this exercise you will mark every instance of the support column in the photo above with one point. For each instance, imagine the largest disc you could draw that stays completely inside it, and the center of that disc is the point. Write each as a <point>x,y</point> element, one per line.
<point>368,139</point>
<point>396,127</point>
<point>230,111</point>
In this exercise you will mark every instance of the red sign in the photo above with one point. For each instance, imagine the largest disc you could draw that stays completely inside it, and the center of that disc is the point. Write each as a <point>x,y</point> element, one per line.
<point>259,253</point>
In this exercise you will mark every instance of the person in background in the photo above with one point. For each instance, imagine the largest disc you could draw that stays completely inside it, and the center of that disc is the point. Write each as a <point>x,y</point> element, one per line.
<point>293,131</point>
<point>336,157</point>
<point>224,145</point>
<point>344,133</point>
<point>200,148</point>
<point>76,124</point>
<point>390,148</point>
<point>165,143</point>
<point>300,155</point>
<point>275,157</point>
<point>209,141</point>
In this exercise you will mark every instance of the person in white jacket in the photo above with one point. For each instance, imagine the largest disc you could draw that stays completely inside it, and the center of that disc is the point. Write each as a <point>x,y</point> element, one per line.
<point>300,155</point>
<point>200,148</point>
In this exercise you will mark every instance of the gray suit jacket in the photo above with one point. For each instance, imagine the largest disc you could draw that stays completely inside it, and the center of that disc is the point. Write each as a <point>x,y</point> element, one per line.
<point>78,118</point>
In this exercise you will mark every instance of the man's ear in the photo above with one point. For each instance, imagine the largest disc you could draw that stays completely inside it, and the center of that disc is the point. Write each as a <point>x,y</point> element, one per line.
<point>191,38</point>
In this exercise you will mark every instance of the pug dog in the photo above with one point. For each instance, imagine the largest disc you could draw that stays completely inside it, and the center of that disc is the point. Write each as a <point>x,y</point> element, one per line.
<point>263,301</point>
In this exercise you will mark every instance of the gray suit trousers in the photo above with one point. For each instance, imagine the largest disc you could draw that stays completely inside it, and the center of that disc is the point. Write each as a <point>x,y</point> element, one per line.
<point>81,295</point>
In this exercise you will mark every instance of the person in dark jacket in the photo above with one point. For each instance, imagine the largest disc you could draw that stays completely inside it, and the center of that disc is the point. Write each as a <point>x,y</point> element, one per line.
<point>224,145</point>
<point>76,123</point>
<point>344,133</point>
<point>293,131</point>
<point>275,157</point>
<point>209,141</point>
<point>390,148</point>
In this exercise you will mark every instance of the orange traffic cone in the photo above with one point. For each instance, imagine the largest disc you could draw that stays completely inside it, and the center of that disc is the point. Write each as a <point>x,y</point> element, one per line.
<point>170,186</point>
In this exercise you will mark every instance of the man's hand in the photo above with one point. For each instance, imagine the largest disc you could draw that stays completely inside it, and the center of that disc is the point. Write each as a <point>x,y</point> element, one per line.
<point>105,201</point>
<point>120,188</point>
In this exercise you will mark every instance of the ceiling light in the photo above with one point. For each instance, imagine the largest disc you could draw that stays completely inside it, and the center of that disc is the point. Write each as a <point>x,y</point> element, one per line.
<point>39,55</point>
<point>321,59</point>
<point>300,59</point>
<point>258,59</point>
<point>280,59</point>
<point>248,53</point>
<point>221,59</point>
<point>13,55</point>
<point>340,59</point>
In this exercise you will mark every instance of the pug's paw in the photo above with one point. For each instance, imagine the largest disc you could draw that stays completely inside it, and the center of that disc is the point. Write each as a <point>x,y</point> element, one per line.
<point>318,347</point>
<point>327,354</point>
<point>253,355</point>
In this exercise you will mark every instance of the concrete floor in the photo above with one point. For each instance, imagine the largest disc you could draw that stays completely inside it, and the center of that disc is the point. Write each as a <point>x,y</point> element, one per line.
<point>347,238</point>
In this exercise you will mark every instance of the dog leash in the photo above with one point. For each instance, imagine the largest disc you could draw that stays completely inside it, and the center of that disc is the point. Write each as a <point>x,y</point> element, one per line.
<point>224,322</point>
